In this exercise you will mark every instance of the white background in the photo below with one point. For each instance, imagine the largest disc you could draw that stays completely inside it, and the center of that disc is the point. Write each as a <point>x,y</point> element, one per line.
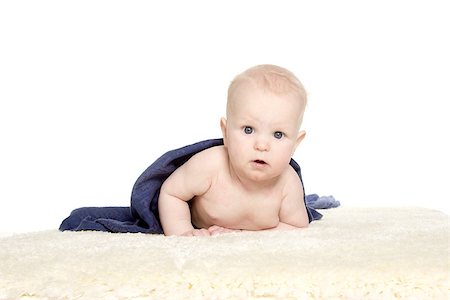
<point>92,92</point>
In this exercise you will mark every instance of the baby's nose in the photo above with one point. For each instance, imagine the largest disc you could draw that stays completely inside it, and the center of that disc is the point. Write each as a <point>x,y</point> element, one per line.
<point>262,145</point>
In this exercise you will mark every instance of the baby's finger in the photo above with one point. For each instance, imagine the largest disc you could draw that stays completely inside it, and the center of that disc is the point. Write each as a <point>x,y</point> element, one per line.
<point>201,232</point>
<point>220,230</point>
<point>213,230</point>
<point>188,233</point>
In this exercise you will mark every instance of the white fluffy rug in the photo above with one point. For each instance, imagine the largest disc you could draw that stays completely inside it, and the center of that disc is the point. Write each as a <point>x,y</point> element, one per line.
<point>352,253</point>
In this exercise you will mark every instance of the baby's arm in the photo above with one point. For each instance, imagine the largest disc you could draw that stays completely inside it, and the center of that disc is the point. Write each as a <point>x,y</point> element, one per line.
<point>293,211</point>
<point>189,180</point>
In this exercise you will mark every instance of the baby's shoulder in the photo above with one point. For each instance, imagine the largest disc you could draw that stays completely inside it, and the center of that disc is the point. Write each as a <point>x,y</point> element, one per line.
<point>292,175</point>
<point>291,180</point>
<point>211,157</point>
<point>212,152</point>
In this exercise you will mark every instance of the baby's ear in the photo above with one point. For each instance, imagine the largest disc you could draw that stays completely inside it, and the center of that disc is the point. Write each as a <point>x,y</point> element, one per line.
<point>223,126</point>
<point>300,136</point>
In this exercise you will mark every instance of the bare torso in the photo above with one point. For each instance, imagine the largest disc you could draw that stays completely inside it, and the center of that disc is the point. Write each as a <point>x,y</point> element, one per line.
<point>229,204</point>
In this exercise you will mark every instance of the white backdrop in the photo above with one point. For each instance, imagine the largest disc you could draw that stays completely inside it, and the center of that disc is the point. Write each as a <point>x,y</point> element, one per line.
<point>93,91</point>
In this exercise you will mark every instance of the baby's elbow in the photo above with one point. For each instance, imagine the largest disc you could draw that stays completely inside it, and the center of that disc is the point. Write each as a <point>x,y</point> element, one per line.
<point>300,225</point>
<point>304,223</point>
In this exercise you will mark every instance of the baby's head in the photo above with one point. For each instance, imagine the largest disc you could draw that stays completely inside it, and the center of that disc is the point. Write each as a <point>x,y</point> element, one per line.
<point>262,129</point>
<point>269,79</point>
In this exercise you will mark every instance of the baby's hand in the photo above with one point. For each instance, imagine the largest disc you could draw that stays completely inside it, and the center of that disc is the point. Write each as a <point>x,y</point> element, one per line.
<point>197,232</point>
<point>215,229</point>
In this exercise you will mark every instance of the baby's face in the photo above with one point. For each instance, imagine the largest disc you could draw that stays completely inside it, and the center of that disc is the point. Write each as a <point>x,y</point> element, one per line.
<point>262,132</point>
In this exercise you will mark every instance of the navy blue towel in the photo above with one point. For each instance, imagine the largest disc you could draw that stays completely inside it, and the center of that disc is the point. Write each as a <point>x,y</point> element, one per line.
<point>142,215</point>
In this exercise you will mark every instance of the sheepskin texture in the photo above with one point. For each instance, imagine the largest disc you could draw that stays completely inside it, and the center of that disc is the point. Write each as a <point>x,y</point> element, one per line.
<point>352,253</point>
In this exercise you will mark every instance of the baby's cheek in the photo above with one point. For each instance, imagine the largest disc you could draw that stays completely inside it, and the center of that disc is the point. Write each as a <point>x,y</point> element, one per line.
<point>282,160</point>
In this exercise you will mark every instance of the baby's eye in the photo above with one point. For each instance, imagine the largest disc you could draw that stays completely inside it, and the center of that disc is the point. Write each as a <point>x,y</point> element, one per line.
<point>278,134</point>
<point>248,130</point>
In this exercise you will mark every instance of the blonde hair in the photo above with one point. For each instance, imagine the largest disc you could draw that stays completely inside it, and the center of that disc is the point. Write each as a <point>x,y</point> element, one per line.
<point>270,78</point>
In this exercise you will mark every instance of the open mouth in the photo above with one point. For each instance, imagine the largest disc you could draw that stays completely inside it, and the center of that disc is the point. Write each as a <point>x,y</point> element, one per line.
<point>260,162</point>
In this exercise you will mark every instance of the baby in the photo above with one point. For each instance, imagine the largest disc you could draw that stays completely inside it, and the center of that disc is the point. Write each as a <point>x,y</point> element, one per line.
<point>248,183</point>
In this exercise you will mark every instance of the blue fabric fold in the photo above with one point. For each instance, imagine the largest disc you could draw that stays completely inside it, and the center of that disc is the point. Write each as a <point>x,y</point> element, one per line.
<point>142,215</point>
<point>321,202</point>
